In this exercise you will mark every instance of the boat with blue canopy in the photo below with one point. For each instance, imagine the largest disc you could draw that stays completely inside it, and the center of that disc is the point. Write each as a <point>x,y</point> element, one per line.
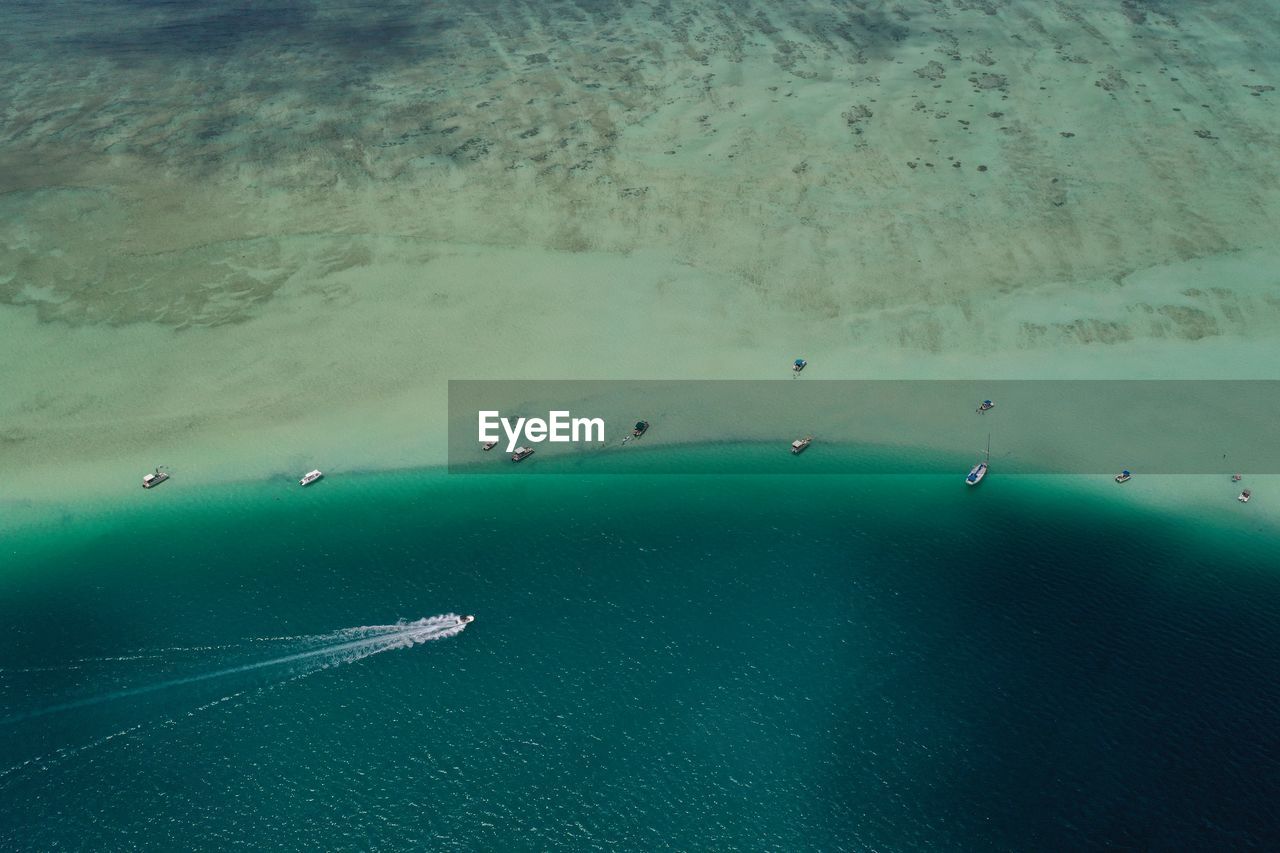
<point>977,472</point>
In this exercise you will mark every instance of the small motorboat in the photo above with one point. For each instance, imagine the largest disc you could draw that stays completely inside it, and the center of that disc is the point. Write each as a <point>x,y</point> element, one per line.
<point>798,365</point>
<point>798,446</point>
<point>521,454</point>
<point>310,477</point>
<point>489,445</point>
<point>1235,478</point>
<point>1123,477</point>
<point>150,481</point>
<point>1244,496</point>
<point>987,405</point>
<point>467,620</point>
<point>641,428</point>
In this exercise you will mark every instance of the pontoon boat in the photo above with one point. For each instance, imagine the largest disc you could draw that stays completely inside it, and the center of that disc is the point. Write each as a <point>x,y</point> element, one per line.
<point>152,480</point>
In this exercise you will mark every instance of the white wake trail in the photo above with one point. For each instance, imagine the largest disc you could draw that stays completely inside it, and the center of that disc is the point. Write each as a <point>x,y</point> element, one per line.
<point>345,646</point>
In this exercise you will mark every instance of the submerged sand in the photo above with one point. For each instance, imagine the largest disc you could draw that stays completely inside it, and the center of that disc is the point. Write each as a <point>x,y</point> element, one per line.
<point>248,244</point>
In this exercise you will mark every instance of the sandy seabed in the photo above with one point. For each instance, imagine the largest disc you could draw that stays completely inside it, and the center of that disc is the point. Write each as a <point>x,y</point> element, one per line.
<point>245,244</point>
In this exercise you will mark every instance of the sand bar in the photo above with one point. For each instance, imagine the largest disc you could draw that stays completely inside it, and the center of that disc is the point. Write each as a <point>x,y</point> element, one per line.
<point>248,257</point>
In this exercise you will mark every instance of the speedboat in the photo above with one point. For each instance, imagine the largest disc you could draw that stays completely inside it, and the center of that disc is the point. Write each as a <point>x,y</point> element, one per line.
<point>310,477</point>
<point>489,445</point>
<point>641,428</point>
<point>977,472</point>
<point>800,444</point>
<point>1244,496</point>
<point>1235,478</point>
<point>467,620</point>
<point>152,480</point>
<point>986,405</point>
<point>1123,477</point>
<point>521,453</point>
<point>799,365</point>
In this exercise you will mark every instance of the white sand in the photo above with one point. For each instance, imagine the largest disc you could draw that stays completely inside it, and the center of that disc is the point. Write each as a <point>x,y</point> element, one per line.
<point>226,269</point>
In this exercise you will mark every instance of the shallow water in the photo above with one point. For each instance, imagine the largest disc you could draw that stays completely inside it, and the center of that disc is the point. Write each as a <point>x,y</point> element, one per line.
<point>247,240</point>
<point>246,209</point>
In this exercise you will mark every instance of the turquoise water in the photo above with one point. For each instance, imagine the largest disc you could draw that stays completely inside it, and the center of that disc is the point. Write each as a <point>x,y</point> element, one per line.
<point>221,213</point>
<point>784,663</point>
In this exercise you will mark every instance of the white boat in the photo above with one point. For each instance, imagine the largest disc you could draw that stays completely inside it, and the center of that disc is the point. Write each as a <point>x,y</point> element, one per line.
<point>798,365</point>
<point>800,444</point>
<point>977,472</point>
<point>1235,478</point>
<point>489,445</point>
<point>152,480</point>
<point>1123,477</point>
<point>1244,496</point>
<point>467,620</point>
<point>521,453</point>
<point>987,405</point>
<point>310,477</point>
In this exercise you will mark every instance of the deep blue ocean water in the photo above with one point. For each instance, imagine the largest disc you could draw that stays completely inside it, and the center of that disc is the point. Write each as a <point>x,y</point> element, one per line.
<point>792,663</point>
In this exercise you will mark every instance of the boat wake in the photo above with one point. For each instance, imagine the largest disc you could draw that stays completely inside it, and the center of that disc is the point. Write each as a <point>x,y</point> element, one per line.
<point>313,653</point>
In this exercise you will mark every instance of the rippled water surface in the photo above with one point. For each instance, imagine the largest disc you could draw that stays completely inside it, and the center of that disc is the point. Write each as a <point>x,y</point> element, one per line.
<point>746,662</point>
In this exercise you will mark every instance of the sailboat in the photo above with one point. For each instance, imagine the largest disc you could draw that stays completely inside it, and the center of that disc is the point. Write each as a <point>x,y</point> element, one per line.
<point>977,472</point>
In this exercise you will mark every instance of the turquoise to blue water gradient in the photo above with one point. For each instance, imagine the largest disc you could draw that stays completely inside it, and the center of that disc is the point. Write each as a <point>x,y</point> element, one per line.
<point>790,663</point>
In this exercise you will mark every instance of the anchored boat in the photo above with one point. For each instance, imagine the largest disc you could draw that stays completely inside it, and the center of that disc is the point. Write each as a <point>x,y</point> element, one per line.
<point>798,365</point>
<point>986,405</point>
<point>521,454</point>
<point>977,472</point>
<point>489,445</point>
<point>798,446</point>
<point>1123,477</point>
<point>150,481</point>
<point>310,477</point>
<point>640,429</point>
<point>1244,496</point>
